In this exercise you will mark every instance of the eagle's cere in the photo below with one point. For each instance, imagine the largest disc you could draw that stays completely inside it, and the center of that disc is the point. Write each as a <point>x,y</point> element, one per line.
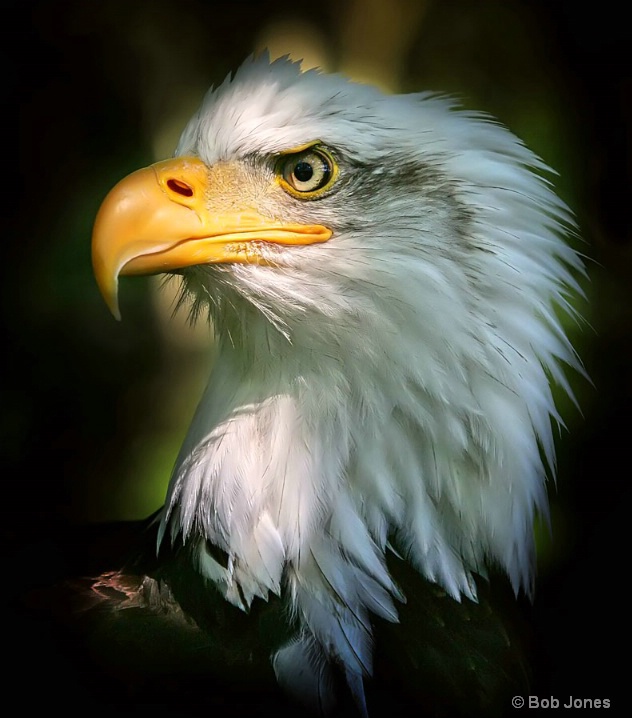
<point>382,274</point>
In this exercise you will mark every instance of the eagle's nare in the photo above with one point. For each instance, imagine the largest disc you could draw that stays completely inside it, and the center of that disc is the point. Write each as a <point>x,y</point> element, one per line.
<point>382,275</point>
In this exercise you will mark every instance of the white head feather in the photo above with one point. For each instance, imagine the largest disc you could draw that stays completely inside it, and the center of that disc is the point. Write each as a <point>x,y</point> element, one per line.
<point>389,386</point>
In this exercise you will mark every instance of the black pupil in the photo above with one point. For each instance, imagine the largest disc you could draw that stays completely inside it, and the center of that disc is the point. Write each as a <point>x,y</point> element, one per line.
<point>303,171</point>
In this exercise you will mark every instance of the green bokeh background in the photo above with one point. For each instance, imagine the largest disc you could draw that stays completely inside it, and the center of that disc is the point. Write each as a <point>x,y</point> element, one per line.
<point>94,411</point>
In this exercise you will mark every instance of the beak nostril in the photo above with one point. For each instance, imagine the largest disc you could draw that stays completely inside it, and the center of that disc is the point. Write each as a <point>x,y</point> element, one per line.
<point>180,187</point>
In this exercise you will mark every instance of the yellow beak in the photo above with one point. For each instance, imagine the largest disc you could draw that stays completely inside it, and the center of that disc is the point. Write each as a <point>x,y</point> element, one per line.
<point>158,219</point>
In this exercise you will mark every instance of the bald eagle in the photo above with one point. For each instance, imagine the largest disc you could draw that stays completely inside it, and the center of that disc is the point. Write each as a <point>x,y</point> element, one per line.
<point>383,276</point>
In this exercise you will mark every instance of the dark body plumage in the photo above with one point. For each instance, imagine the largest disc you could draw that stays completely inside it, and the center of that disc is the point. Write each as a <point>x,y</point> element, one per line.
<point>130,631</point>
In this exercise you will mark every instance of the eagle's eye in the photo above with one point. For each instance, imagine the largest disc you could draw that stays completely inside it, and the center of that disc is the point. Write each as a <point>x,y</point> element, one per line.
<point>306,174</point>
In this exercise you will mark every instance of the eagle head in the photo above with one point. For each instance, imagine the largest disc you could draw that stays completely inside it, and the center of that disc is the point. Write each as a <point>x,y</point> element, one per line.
<point>382,275</point>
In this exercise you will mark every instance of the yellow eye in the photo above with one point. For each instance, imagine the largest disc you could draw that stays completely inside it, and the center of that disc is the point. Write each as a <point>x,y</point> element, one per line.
<point>307,173</point>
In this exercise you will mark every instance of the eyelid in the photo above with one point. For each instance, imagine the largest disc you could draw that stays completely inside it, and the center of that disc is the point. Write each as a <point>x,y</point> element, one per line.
<point>301,148</point>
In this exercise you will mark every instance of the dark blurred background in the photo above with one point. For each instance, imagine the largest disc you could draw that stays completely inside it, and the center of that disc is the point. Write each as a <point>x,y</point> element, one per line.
<point>94,411</point>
